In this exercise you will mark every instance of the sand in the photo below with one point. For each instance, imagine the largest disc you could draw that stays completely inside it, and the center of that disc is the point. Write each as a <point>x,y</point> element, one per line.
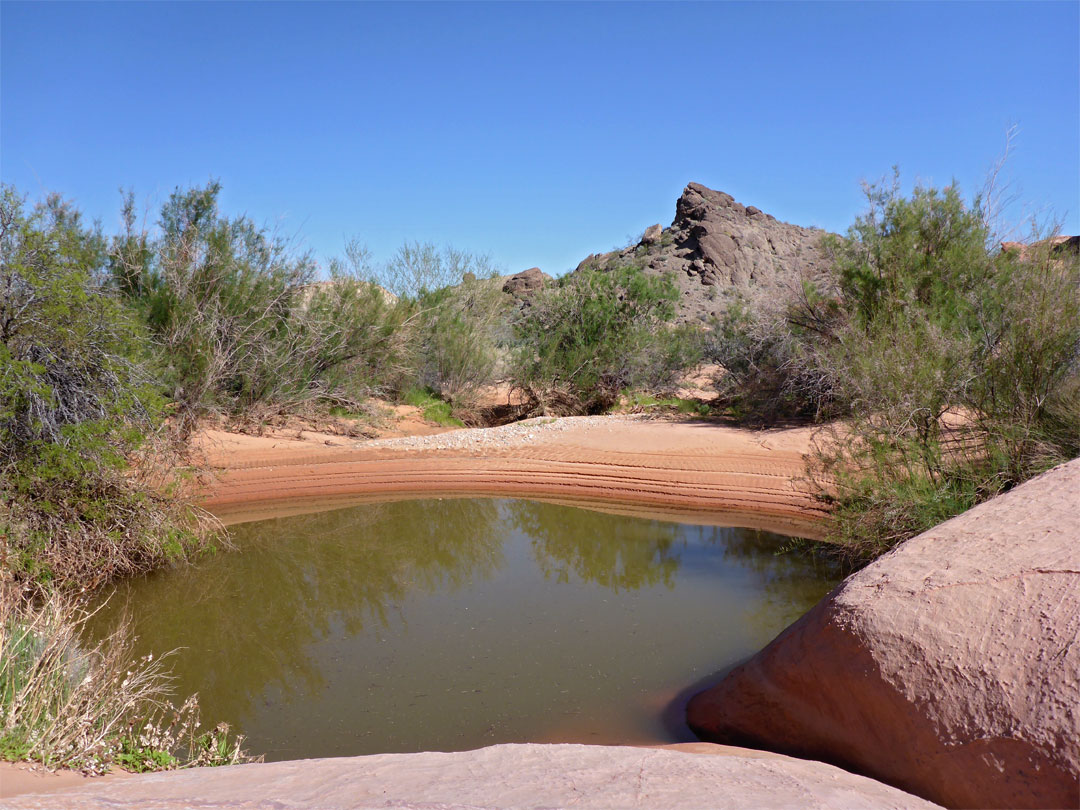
<point>695,471</point>
<point>17,778</point>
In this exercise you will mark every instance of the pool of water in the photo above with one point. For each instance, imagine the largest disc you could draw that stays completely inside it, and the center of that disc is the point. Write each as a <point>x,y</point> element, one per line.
<point>453,624</point>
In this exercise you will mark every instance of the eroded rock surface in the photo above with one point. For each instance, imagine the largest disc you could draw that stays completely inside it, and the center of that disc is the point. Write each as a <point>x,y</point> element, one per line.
<point>949,668</point>
<point>502,776</point>
<point>716,244</point>
<point>524,285</point>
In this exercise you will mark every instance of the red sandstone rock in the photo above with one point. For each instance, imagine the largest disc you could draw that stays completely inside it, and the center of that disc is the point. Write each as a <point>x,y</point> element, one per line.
<point>949,668</point>
<point>502,776</point>
<point>1059,246</point>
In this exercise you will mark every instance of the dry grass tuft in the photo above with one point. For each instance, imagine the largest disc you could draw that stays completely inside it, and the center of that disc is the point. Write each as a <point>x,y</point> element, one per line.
<point>66,704</point>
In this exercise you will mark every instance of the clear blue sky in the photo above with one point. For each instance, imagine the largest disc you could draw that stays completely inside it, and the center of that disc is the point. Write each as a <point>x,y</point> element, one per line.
<point>535,132</point>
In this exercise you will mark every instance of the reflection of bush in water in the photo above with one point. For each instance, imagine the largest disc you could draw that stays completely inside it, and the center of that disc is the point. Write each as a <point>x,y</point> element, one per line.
<point>621,553</point>
<point>791,576</point>
<point>303,578</point>
<point>352,565</point>
<point>776,558</point>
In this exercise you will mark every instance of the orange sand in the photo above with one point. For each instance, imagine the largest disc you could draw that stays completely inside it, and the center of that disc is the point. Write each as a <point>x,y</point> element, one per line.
<point>697,471</point>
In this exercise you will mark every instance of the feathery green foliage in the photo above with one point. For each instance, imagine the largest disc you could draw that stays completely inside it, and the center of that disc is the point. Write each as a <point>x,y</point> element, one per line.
<point>75,408</point>
<point>596,333</point>
<point>954,367</point>
<point>457,333</point>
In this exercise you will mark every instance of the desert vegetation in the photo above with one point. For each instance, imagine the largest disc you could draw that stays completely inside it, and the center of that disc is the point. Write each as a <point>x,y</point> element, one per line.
<point>81,502</point>
<point>76,408</point>
<point>66,704</point>
<point>597,334</point>
<point>947,367</point>
<point>950,368</point>
<point>115,348</point>
<point>943,369</point>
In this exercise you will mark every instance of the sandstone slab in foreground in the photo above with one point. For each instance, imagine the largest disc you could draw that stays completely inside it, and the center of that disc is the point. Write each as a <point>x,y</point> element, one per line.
<point>502,776</point>
<point>949,668</point>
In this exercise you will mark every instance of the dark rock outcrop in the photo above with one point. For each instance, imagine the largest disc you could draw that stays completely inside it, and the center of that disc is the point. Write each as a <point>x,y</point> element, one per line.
<point>715,244</point>
<point>949,668</point>
<point>526,284</point>
<point>652,234</point>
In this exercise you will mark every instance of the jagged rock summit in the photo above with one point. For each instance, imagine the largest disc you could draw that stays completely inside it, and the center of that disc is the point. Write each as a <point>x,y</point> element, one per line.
<point>714,245</point>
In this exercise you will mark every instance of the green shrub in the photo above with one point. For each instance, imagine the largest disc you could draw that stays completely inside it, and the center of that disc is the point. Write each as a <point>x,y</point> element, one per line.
<point>959,365</point>
<point>642,401</point>
<point>596,333</point>
<point>238,321</point>
<point>75,410</point>
<point>421,267</point>
<point>63,340</point>
<point>435,410</point>
<point>350,335</point>
<point>1025,394</point>
<point>444,331</point>
<point>882,506</point>
<point>217,296</point>
<point>953,367</point>
<point>457,335</point>
<point>769,373</point>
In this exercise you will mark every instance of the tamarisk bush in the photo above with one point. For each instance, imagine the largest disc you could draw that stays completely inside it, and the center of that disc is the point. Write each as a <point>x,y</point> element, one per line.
<point>75,409</point>
<point>596,333</point>
<point>953,366</point>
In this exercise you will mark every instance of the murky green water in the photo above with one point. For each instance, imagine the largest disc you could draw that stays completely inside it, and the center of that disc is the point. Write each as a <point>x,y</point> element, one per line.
<point>452,624</point>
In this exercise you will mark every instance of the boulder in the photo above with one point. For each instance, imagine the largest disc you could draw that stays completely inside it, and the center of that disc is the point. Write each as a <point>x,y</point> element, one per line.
<point>502,776</point>
<point>526,283</point>
<point>949,668</point>
<point>652,235</point>
<point>598,260</point>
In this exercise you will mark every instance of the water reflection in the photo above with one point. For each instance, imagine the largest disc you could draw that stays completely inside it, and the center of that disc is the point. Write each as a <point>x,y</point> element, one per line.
<point>448,624</point>
<point>614,551</point>
<point>786,577</point>
<point>294,581</point>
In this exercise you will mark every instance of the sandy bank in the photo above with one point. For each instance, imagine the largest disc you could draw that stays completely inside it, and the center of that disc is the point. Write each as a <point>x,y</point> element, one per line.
<point>698,471</point>
<point>17,778</point>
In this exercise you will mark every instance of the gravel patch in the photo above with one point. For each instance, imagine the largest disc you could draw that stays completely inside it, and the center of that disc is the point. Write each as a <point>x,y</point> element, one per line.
<point>513,435</point>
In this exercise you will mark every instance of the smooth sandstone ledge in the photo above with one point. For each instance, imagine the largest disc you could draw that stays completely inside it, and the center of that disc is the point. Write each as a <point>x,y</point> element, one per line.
<point>950,667</point>
<point>679,470</point>
<point>509,777</point>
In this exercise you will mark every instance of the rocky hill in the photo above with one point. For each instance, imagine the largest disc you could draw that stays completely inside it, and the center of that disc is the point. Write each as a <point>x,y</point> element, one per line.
<point>715,245</point>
